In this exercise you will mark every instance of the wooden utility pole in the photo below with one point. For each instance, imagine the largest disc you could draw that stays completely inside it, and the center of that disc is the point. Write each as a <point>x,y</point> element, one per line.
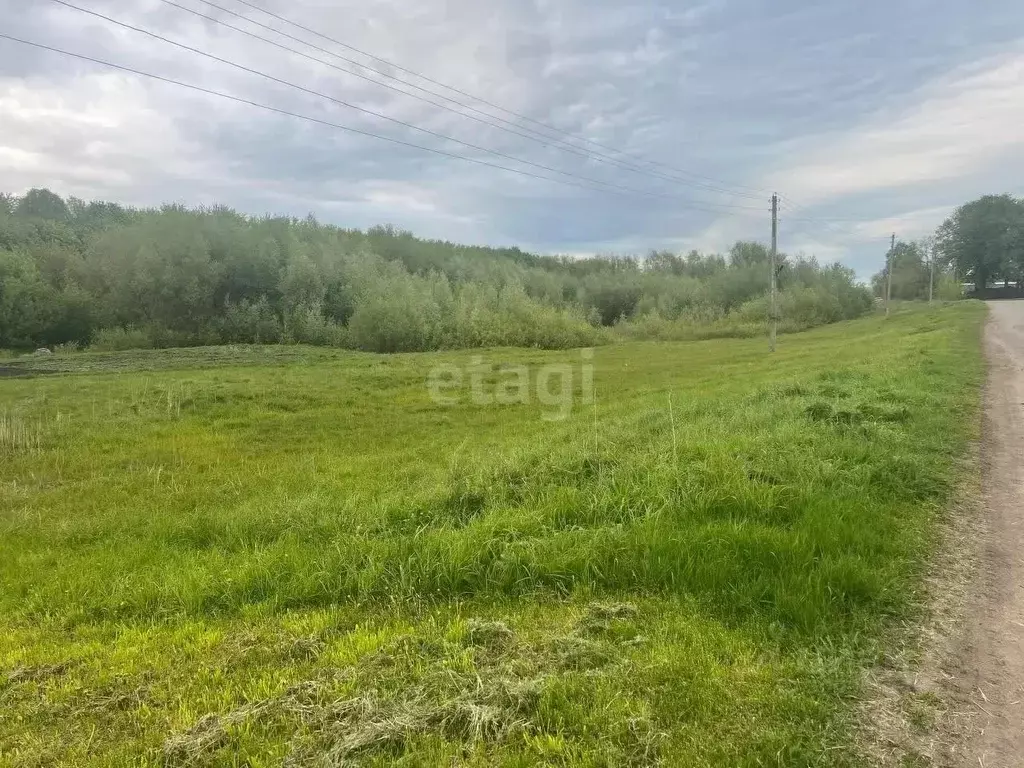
<point>888,274</point>
<point>931,273</point>
<point>775,248</point>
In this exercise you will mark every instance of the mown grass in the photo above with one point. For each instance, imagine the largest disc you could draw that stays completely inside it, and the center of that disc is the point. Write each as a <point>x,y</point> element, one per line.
<point>248,557</point>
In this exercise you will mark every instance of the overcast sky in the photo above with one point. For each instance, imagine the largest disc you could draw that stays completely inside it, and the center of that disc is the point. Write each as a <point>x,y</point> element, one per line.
<point>884,115</point>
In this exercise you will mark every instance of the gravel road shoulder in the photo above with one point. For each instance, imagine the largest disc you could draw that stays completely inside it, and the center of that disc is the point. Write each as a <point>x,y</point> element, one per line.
<point>991,665</point>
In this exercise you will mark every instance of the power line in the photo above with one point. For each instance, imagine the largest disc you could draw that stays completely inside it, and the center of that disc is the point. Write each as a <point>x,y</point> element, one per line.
<point>517,115</point>
<point>695,205</point>
<point>382,116</point>
<point>816,240</point>
<point>829,223</point>
<point>834,228</point>
<point>822,219</point>
<point>483,118</point>
<point>308,118</point>
<point>775,275</point>
<point>795,205</point>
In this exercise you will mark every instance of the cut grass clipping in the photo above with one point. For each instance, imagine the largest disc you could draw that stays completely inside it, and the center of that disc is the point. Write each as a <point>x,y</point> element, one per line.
<point>263,557</point>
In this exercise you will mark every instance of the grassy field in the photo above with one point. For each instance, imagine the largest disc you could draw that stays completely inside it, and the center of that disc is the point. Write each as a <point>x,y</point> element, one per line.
<point>249,556</point>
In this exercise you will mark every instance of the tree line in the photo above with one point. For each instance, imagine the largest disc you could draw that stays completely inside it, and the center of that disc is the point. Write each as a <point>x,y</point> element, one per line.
<point>980,247</point>
<point>97,273</point>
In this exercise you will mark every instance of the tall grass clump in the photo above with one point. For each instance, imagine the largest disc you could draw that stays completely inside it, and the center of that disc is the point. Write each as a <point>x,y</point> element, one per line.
<point>19,435</point>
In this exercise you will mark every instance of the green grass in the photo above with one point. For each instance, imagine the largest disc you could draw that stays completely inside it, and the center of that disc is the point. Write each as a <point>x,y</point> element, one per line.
<point>242,556</point>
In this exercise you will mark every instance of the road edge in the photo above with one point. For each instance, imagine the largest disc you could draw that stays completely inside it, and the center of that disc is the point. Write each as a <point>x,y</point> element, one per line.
<point>913,711</point>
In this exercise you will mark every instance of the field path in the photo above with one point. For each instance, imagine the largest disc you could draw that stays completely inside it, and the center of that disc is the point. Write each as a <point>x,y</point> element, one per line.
<point>993,665</point>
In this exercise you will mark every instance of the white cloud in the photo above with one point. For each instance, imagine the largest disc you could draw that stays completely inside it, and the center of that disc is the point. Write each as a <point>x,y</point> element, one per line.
<point>958,135</point>
<point>952,127</point>
<point>910,225</point>
<point>90,134</point>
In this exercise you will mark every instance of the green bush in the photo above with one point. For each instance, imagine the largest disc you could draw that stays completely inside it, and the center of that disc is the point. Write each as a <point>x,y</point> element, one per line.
<point>391,323</point>
<point>121,339</point>
<point>307,325</point>
<point>250,322</point>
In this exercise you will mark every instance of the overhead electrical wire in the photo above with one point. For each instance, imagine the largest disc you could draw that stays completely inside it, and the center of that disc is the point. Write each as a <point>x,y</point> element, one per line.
<point>309,118</point>
<point>517,115</point>
<point>477,115</point>
<point>823,222</point>
<point>382,116</point>
<point>788,201</point>
<point>580,181</point>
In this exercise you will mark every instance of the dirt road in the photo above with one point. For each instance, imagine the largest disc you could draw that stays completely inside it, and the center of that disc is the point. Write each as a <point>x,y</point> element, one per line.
<point>993,664</point>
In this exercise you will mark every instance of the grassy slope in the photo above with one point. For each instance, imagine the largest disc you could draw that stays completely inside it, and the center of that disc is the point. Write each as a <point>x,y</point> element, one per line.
<point>295,553</point>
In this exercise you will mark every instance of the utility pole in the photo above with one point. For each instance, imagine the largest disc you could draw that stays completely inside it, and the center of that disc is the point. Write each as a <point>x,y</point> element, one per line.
<point>931,273</point>
<point>888,274</point>
<point>775,249</point>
